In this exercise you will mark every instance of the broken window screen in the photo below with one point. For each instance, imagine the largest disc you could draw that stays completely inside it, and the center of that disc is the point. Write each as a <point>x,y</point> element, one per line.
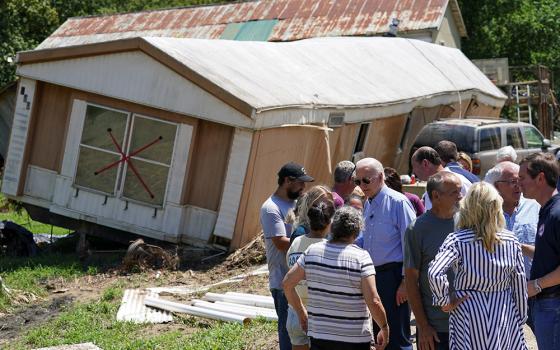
<point>151,148</point>
<point>98,150</point>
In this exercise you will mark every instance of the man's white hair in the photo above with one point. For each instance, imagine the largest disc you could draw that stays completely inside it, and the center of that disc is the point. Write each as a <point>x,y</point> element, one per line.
<point>371,163</point>
<point>506,153</point>
<point>495,173</point>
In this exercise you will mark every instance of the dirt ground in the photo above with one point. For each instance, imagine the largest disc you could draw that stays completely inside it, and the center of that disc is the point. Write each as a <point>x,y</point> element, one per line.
<point>65,293</point>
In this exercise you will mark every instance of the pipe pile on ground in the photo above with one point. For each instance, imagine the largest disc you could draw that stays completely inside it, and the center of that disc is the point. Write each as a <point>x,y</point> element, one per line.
<point>245,299</point>
<point>229,307</point>
<point>195,311</point>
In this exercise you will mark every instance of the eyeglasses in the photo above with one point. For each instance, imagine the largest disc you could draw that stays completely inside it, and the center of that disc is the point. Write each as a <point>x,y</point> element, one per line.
<point>365,180</point>
<point>511,182</point>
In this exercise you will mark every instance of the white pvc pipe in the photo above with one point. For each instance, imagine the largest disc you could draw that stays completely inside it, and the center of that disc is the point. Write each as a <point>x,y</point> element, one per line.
<point>256,308</point>
<point>239,300</point>
<point>260,297</point>
<point>235,310</point>
<point>195,311</point>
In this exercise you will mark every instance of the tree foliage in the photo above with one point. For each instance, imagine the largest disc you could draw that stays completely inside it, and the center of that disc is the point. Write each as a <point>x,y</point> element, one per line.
<point>525,31</point>
<point>24,24</point>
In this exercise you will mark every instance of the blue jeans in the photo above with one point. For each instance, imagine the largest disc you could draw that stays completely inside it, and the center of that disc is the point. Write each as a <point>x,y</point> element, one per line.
<point>281,306</point>
<point>546,321</point>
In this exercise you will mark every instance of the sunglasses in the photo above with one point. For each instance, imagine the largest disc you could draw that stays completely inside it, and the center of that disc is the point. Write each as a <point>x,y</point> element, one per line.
<point>365,180</point>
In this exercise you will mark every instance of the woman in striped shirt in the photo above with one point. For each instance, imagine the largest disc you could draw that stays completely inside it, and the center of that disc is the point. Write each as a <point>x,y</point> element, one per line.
<point>341,288</point>
<point>489,304</point>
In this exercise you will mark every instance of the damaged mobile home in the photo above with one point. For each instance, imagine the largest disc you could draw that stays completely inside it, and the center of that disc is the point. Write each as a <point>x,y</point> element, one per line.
<point>180,139</point>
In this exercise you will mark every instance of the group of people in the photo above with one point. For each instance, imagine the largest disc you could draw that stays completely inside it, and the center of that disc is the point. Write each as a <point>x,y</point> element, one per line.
<point>473,260</point>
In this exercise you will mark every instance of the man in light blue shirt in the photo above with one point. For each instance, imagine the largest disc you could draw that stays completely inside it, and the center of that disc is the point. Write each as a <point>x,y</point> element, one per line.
<point>521,214</point>
<point>387,214</point>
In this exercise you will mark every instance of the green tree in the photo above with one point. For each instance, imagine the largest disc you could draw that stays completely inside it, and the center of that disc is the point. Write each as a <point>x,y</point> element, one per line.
<point>525,31</point>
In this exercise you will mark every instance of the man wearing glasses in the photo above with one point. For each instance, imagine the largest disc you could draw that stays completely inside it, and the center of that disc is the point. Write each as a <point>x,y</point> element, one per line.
<point>387,214</point>
<point>521,214</point>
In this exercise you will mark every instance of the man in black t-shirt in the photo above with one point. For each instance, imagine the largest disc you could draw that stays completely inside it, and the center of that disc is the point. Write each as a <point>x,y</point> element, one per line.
<point>538,175</point>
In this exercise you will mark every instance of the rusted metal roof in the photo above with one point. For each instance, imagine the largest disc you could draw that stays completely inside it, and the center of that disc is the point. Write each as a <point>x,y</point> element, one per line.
<point>296,19</point>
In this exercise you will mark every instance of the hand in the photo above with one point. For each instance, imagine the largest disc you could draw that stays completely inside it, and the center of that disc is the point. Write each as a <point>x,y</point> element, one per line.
<point>453,302</point>
<point>303,320</point>
<point>382,338</point>
<point>427,336</point>
<point>531,291</point>
<point>401,296</point>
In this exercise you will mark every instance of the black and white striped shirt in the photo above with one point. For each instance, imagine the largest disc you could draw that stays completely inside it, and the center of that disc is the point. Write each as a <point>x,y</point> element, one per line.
<point>336,307</point>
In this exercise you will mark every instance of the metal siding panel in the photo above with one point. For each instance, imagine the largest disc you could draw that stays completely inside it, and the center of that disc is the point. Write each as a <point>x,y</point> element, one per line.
<point>178,168</point>
<point>18,138</point>
<point>199,223</point>
<point>237,168</point>
<point>135,77</point>
<point>40,183</point>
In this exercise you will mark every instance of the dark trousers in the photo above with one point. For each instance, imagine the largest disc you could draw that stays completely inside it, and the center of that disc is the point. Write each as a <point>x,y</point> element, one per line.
<point>281,306</point>
<point>321,344</point>
<point>388,278</point>
<point>443,340</point>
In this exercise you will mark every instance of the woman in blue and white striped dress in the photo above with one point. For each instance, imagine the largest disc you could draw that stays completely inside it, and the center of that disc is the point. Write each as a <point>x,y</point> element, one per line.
<point>489,304</point>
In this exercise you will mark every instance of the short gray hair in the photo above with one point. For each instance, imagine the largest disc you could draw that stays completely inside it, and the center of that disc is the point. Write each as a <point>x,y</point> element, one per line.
<point>347,222</point>
<point>343,171</point>
<point>436,181</point>
<point>506,153</point>
<point>495,173</point>
<point>373,164</point>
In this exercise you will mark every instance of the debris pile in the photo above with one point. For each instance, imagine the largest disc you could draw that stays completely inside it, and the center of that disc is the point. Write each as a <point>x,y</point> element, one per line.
<point>253,253</point>
<point>143,256</point>
<point>16,296</point>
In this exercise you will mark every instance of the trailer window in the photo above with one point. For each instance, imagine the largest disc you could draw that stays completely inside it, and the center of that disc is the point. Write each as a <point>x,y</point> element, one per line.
<point>102,128</point>
<point>125,155</point>
<point>151,151</point>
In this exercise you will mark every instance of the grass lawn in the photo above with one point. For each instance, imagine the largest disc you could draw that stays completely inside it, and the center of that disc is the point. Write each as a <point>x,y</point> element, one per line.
<point>96,322</point>
<point>31,275</point>
<point>24,220</point>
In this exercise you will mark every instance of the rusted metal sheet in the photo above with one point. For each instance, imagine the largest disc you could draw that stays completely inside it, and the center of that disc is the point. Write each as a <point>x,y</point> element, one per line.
<point>297,19</point>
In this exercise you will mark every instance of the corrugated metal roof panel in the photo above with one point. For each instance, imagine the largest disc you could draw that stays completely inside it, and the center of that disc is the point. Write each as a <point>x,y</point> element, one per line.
<point>133,309</point>
<point>297,19</point>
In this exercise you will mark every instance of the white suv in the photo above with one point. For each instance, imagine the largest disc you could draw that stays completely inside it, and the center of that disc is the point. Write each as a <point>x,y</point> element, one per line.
<point>482,138</point>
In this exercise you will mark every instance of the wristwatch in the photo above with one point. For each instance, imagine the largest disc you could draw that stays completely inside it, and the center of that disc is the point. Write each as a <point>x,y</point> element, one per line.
<point>537,286</point>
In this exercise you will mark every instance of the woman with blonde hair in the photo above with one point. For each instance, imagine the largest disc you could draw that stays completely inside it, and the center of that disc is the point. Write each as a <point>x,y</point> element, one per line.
<point>465,161</point>
<point>489,303</point>
<point>302,207</point>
